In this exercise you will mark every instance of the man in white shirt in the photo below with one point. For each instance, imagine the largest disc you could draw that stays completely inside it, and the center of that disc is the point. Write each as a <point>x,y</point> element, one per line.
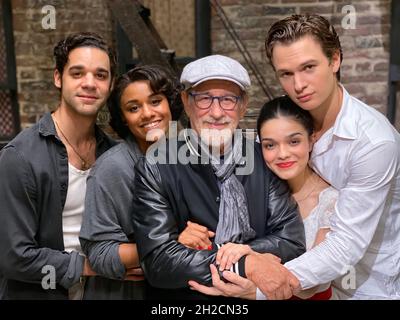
<point>357,151</point>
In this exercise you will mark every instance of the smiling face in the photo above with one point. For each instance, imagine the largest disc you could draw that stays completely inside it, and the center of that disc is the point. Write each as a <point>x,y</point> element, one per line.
<point>286,146</point>
<point>85,82</point>
<point>215,125</point>
<point>147,114</point>
<point>306,74</point>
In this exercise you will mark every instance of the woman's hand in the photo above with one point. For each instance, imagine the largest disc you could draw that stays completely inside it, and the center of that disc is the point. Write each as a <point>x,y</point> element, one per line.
<point>134,274</point>
<point>196,236</point>
<point>87,269</point>
<point>230,253</point>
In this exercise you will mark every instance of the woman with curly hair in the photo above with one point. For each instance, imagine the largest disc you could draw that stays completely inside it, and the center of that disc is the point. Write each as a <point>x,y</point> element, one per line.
<point>143,102</point>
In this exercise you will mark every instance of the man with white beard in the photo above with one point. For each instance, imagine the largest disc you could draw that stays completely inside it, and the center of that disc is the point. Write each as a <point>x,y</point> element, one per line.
<point>222,198</point>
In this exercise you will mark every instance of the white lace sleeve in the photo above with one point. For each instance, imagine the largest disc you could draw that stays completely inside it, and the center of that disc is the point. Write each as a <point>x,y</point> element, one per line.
<point>327,207</point>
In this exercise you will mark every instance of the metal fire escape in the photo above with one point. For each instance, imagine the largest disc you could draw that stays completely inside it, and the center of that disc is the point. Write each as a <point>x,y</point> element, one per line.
<point>135,27</point>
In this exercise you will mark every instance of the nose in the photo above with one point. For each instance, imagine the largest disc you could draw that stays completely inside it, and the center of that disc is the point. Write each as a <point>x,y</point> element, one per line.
<point>89,81</point>
<point>299,83</point>
<point>283,152</point>
<point>147,112</point>
<point>215,109</point>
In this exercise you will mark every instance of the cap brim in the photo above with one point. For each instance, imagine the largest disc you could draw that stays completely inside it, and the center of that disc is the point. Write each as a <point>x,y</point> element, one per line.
<point>218,78</point>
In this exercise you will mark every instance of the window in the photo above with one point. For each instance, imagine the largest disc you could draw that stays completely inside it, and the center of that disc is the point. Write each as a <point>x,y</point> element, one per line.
<point>9,116</point>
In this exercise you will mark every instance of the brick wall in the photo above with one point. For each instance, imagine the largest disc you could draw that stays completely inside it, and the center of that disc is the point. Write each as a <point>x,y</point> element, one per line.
<point>364,69</point>
<point>34,47</point>
<point>366,48</point>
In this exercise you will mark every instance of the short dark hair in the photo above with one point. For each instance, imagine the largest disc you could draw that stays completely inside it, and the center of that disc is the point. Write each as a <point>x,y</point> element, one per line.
<point>82,39</point>
<point>297,26</point>
<point>284,107</point>
<point>161,82</point>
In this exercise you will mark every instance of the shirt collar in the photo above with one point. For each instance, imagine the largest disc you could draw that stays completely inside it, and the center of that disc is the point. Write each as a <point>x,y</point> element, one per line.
<point>345,126</point>
<point>47,128</point>
<point>46,125</point>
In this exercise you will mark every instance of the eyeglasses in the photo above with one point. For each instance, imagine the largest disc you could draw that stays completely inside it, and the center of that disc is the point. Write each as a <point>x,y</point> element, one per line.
<point>204,101</point>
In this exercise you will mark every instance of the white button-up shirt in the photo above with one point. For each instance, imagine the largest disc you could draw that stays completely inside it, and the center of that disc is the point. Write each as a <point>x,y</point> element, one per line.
<point>360,157</point>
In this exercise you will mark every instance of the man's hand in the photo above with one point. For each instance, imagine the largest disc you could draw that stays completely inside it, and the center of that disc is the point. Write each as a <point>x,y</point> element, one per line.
<point>270,276</point>
<point>196,236</point>
<point>237,287</point>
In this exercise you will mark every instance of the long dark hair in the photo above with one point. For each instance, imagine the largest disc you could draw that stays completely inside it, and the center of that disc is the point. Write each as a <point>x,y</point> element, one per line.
<point>284,107</point>
<point>160,80</point>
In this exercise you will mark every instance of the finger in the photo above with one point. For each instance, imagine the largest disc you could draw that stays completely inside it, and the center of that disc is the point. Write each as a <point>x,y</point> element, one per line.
<point>200,238</point>
<point>186,241</point>
<point>198,227</point>
<point>211,234</point>
<point>218,284</point>
<point>232,259</point>
<point>204,289</point>
<point>225,259</point>
<point>196,233</point>
<point>287,293</point>
<point>226,289</point>
<point>134,272</point>
<point>271,295</point>
<point>220,253</point>
<point>236,279</point>
<point>192,241</point>
<point>280,293</point>
<point>216,279</point>
<point>294,282</point>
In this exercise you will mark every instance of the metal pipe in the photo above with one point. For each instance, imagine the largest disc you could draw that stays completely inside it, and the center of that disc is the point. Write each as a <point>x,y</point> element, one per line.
<point>394,68</point>
<point>203,28</point>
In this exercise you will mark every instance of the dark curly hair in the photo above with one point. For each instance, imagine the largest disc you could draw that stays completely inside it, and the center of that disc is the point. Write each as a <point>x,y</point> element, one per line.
<point>297,26</point>
<point>284,107</point>
<point>82,39</point>
<point>161,82</point>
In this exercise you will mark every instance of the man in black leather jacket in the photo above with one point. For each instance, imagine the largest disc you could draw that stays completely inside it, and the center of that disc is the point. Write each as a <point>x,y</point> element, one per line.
<point>237,196</point>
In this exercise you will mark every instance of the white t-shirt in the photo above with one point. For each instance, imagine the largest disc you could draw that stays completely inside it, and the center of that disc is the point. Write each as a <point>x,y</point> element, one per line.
<point>74,208</point>
<point>72,218</point>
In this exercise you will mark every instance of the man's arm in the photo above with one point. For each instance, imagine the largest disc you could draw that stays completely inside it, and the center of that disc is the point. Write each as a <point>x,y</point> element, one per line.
<point>359,208</point>
<point>165,262</point>
<point>284,235</point>
<point>21,258</point>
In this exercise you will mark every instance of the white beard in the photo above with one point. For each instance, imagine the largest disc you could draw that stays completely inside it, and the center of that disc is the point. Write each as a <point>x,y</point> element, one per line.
<point>217,139</point>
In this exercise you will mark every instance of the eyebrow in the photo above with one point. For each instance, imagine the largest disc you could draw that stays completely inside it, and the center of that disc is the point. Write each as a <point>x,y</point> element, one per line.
<point>289,136</point>
<point>311,61</point>
<point>135,100</point>
<point>81,67</point>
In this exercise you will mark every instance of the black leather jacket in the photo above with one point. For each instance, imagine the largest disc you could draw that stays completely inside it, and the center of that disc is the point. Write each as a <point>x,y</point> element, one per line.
<point>168,195</point>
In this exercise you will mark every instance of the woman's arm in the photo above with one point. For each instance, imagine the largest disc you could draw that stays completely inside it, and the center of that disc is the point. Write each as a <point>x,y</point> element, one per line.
<point>129,255</point>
